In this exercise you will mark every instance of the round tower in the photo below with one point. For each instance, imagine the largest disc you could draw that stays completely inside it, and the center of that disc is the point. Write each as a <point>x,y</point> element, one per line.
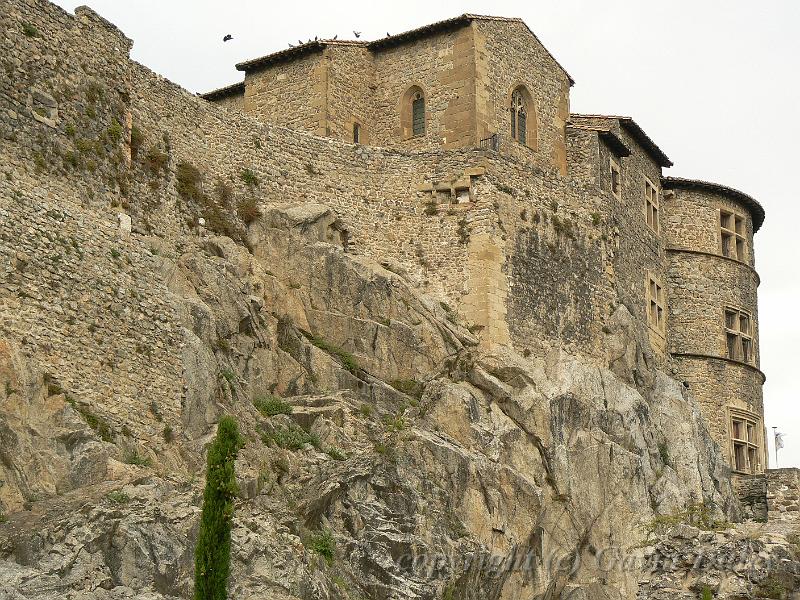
<point>713,312</point>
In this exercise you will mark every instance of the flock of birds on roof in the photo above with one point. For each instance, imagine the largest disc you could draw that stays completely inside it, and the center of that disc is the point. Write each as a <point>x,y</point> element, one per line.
<point>228,37</point>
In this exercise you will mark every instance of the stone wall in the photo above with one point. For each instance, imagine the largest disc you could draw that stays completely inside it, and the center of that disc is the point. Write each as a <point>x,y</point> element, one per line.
<point>350,96</point>
<point>702,284</point>
<point>508,55</point>
<point>443,66</point>
<point>517,251</point>
<point>783,493</point>
<point>290,93</point>
<point>752,493</point>
<point>81,299</point>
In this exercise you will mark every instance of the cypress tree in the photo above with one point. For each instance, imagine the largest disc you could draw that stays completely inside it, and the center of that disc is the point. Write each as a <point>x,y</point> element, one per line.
<point>213,553</point>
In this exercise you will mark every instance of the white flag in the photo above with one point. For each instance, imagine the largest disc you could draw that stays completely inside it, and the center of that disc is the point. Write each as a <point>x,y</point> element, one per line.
<point>779,440</point>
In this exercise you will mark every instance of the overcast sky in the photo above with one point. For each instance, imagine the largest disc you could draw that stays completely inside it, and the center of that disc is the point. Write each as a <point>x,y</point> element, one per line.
<point>714,82</point>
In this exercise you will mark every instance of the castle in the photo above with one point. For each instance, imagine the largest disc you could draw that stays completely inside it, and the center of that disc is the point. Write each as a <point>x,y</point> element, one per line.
<point>594,217</point>
<point>451,318</point>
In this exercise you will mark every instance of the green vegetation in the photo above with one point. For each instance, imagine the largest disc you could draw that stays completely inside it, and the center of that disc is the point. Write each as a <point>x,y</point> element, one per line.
<point>290,437</point>
<point>663,452</point>
<point>696,514</point>
<point>114,132</point>
<point>706,594</point>
<point>409,387</point>
<point>137,139</point>
<point>156,161</point>
<point>431,208</point>
<point>270,405</point>
<point>188,181</point>
<point>770,588</point>
<point>595,219</point>
<point>213,552</point>
<point>322,543</point>
<point>449,591</point>
<point>335,453</point>
<point>29,30</point>
<point>118,497</point>
<point>348,360</point>
<point>366,410</point>
<point>168,434</point>
<point>248,210</point>
<point>132,457</point>
<point>394,423</point>
<point>97,424</point>
<point>249,178</point>
<point>228,375</point>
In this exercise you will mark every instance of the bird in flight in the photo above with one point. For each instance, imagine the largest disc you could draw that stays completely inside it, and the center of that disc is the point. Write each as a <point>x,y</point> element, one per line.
<point>357,34</point>
<point>227,38</point>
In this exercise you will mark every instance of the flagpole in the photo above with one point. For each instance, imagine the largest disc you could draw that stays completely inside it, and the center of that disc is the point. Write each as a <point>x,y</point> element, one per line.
<point>775,438</point>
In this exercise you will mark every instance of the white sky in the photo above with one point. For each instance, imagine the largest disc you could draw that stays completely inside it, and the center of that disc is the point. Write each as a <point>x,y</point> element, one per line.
<point>714,82</point>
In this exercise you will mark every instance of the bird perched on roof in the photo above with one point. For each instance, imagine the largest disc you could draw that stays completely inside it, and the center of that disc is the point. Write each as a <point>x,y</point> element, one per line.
<point>291,45</point>
<point>357,34</point>
<point>388,34</point>
<point>300,42</point>
<point>227,38</point>
<point>315,38</point>
<point>336,36</point>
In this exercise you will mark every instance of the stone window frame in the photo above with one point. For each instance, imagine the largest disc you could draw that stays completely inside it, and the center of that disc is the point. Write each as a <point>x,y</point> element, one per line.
<point>357,132</point>
<point>736,234</point>
<point>519,95</point>
<point>652,206</point>
<point>414,93</point>
<point>656,305</point>
<point>746,441</point>
<point>616,184</point>
<point>739,339</point>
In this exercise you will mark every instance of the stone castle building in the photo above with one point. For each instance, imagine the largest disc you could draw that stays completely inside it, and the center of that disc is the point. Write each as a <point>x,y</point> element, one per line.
<point>678,253</point>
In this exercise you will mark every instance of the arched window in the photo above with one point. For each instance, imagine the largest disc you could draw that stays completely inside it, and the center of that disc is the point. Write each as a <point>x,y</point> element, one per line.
<point>412,113</point>
<point>519,116</point>
<point>418,114</point>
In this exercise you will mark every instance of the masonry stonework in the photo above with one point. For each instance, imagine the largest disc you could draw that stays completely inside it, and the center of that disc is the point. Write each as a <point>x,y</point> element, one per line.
<point>524,243</point>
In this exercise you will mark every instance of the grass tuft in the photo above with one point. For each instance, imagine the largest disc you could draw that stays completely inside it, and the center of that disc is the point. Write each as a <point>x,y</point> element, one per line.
<point>270,405</point>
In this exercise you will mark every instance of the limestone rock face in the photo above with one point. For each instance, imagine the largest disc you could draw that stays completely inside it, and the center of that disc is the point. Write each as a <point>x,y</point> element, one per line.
<point>413,463</point>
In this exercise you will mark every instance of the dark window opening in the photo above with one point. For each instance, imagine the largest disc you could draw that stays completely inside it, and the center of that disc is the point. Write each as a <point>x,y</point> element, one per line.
<point>418,115</point>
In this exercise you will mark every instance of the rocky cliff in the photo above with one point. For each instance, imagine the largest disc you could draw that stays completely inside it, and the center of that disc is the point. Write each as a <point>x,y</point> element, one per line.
<point>413,464</point>
<point>164,262</point>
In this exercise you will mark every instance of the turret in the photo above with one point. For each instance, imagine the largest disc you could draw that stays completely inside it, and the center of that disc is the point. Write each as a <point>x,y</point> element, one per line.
<point>713,312</point>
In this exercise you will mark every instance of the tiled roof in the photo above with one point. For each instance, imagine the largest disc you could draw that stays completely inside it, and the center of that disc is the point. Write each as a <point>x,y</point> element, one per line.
<point>607,135</point>
<point>756,210</point>
<point>629,125</point>
<point>388,41</point>
<point>228,90</point>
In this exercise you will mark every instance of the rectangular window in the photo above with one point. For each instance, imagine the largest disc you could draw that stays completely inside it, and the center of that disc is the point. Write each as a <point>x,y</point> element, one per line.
<point>356,133</point>
<point>739,335</point>
<point>655,305</point>
<point>616,179</point>
<point>651,205</point>
<point>732,235</point>
<point>745,441</point>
